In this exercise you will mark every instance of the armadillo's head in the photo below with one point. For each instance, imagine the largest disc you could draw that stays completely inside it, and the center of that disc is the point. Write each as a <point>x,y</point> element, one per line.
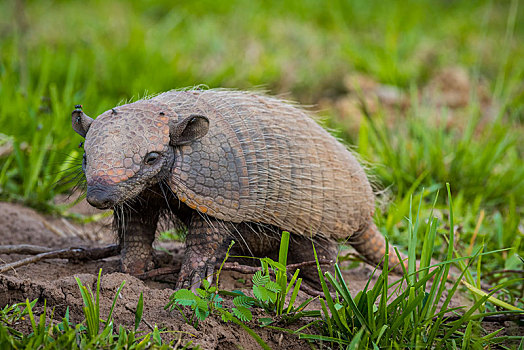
<point>130,148</point>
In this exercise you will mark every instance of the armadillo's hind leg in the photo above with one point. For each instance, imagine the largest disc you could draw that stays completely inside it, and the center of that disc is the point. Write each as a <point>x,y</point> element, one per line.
<point>371,245</point>
<point>301,250</point>
<point>206,243</point>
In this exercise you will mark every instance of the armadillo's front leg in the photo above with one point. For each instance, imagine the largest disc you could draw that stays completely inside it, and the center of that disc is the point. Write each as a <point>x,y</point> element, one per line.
<point>206,244</point>
<point>136,232</point>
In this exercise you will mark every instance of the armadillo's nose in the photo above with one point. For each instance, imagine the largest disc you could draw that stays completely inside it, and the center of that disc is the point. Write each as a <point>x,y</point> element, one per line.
<point>100,196</point>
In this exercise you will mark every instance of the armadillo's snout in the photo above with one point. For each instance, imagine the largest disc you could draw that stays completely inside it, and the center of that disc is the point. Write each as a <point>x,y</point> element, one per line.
<point>101,196</point>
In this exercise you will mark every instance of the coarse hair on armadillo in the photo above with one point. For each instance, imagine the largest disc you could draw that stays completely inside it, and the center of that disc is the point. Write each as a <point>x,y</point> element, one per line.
<point>267,161</point>
<point>309,110</point>
<point>381,193</point>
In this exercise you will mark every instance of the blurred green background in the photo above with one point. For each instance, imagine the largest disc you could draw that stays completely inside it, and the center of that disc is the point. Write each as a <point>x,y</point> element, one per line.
<point>427,92</point>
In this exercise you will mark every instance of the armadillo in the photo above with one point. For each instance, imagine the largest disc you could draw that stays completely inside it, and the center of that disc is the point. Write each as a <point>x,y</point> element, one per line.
<point>231,165</point>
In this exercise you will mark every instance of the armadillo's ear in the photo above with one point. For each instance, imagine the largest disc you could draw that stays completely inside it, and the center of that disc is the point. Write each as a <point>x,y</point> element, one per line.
<point>81,122</point>
<point>188,129</point>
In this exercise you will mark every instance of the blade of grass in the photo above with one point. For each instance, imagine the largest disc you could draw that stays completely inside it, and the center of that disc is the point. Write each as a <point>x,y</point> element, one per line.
<point>342,289</point>
<point>139,310</point>
<point>449,255</point>
<point>491,299</point>
<point>117,295</point>
<point>326,317</point>
<point>327,295</point>
<point>294,295</point>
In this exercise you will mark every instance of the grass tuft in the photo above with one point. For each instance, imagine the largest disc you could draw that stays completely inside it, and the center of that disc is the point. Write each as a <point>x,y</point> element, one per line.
<point>412,312</point>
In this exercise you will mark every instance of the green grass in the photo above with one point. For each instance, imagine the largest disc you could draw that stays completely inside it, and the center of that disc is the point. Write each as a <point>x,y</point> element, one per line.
<point>48,334</point>
<point>414,311</point>
<point>55,54</point>
<point>411,312</point>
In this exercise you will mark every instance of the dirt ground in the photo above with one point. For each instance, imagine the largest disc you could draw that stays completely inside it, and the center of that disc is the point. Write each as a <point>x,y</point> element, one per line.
<point>53,280</point>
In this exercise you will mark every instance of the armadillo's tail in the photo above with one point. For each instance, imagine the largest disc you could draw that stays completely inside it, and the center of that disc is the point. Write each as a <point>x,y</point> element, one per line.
<point>371,245</point>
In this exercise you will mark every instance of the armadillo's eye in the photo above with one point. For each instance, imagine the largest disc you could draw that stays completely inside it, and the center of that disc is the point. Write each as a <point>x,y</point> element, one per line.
<point>151,158</point>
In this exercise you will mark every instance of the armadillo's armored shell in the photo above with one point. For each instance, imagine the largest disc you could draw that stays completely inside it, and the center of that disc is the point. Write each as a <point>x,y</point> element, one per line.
<point>266,161</point>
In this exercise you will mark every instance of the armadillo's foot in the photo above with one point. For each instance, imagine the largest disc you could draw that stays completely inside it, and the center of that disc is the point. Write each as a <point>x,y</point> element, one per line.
<point>206,243</point>
<point>192,273</point>
<point>137,257</point>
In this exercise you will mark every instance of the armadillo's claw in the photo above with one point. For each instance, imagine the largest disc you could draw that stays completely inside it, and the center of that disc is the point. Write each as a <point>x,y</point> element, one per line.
<point>192,278</point>
<point>137,267</point>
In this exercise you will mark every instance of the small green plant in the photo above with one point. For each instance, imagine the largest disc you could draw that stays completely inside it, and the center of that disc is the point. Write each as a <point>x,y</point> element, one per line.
<point>206,300</point>
<point>92,308</point>
<point>10,316</point>
<point>273,294</point>
<point>268,295</point>
<point>92,333</point>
